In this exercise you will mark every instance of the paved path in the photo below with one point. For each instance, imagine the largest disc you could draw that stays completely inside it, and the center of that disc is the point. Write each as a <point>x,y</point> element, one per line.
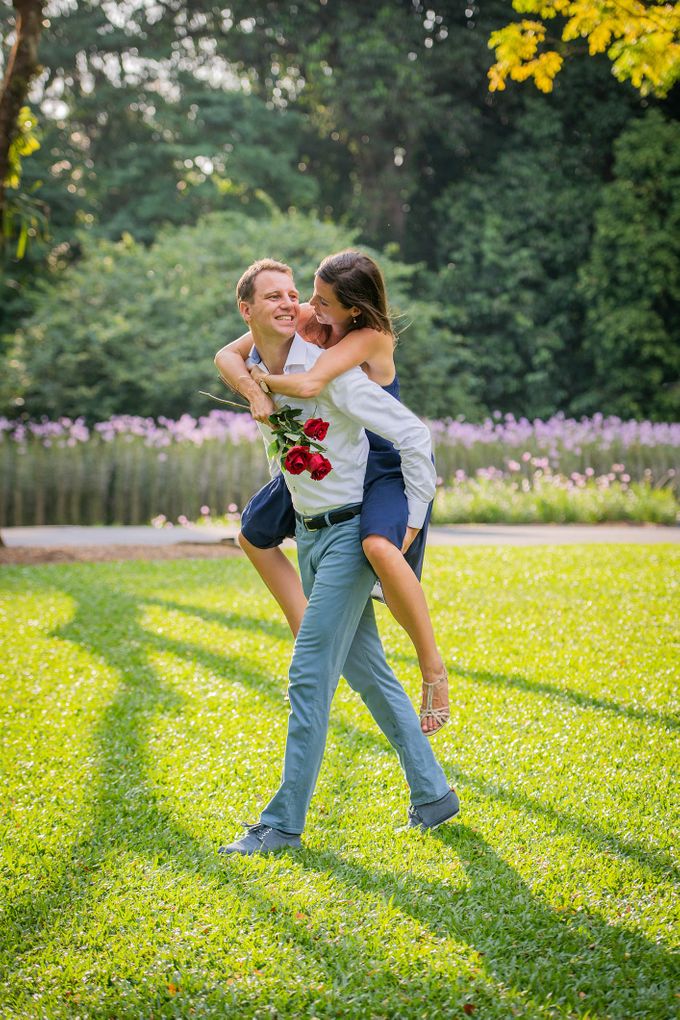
<point>460,534</point>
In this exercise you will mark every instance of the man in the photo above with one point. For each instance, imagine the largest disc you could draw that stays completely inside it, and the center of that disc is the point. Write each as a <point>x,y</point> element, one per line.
<point>338,632</point>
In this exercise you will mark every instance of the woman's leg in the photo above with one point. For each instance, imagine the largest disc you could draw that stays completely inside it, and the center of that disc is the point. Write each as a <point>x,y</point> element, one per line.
<point>281,577</point>
<point>406,601</point>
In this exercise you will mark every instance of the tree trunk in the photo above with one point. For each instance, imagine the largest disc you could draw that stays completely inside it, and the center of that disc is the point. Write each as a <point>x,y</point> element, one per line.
<point>22,66</point>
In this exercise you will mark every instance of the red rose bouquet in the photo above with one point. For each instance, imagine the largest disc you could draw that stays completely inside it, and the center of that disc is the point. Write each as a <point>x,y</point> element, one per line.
<point>297,444</point>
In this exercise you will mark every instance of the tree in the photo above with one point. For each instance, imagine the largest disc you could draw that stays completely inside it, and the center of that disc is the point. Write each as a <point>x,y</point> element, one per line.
<point>373,116</point>
<point>22,66</point>
<point>16,139</point>
<point>631,282</point>
<point>392,94</point>
<point>395,91</point>
<point>641,40</point>
<point>513,238</point>
<point>438,368</point>
<point>132,139</point>
<point>133,329</point>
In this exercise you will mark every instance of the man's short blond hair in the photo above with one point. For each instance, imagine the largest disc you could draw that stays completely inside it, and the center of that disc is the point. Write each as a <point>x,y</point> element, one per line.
<point>245,288</point>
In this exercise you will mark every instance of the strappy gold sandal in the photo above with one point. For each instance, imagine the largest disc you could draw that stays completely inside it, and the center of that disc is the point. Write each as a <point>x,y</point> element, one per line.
<point>440,716</point>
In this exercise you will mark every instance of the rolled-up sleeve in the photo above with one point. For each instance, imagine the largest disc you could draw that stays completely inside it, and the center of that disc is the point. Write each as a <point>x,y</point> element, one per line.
<point>367,404</point>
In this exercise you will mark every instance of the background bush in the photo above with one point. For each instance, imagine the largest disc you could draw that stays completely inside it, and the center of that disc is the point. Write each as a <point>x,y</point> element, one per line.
<point>132,328</point>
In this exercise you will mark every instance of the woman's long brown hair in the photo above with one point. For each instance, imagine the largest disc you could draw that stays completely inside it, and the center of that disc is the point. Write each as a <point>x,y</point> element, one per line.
<point>358,282</point>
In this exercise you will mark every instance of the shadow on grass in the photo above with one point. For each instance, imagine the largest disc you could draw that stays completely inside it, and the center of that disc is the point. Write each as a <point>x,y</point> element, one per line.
<point>127,813</point>
<point>658,862</point>
<point>565,694</point>
<point>526,945</point>
<point>83,630</point>
<point>571,957</point>
<point>273,628</point>
<point>581,700</point>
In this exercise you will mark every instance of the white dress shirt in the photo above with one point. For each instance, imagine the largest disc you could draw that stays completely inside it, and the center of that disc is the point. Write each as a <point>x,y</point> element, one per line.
<point>350,403</point>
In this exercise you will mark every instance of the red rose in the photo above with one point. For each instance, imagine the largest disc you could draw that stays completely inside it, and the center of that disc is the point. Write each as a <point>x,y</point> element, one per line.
<point>319,466</point>
<point>315,428</point>
<point>297,460</point>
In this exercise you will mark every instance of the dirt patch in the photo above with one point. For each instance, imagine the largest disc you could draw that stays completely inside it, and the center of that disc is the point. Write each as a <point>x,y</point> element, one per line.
<point>34,555</point>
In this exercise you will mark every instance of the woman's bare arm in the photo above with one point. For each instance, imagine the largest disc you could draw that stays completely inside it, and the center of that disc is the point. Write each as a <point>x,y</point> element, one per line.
<point>231,364</point>
<point>358,347</point>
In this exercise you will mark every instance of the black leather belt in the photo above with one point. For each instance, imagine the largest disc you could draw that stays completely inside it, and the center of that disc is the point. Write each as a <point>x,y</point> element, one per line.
<point>332,517</point>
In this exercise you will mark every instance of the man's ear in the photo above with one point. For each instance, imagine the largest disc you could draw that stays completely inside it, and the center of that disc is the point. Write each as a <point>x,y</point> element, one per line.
<point>244,309</point>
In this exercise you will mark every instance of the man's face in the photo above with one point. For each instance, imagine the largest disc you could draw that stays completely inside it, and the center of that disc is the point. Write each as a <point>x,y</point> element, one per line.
<point>274,309</point>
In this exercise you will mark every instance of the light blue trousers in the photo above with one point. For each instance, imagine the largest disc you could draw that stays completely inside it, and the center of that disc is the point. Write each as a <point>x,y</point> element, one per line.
<point>339,635</point>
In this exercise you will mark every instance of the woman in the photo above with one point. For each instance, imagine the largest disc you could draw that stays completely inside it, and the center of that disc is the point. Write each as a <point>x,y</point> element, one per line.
<point>347,316</point>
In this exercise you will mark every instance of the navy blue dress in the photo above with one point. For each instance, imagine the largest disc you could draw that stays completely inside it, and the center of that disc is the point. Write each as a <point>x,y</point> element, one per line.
<point>269,517</point>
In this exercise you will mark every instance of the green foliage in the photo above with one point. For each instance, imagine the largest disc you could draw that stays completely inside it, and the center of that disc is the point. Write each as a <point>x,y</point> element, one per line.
<point>438,369</point>
<point>392,102</point>
<point>511,250</point>
<point>140,166</point>
<point>631,282</point>
<point>24,144</point>
<point>641,39</point>
<point>394,94</point>
<point>231,152</point>
<point>512,239</point>
<point>146,719</point>
<point>23,215</point>
<point>140,131</point>
<point>553,501</point>
<point>377,117</point>
<point>134,329</point>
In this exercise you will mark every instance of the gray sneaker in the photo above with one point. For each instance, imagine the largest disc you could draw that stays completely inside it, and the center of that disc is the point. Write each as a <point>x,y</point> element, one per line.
<point>261,839</point>
<point>429,816</point>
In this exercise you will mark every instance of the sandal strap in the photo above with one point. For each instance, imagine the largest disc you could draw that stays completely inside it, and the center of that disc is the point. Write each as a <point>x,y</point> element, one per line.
<point>430,685</point>
<point>439,680</point>
<point>441,715</point>
<point>438,715</point>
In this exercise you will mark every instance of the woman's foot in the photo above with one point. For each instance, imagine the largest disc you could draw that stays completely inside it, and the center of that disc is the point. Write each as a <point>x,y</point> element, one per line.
<point>434,711</point>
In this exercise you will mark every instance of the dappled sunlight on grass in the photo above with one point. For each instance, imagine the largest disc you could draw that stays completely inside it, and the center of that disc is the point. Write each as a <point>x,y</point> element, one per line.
<point>146,719</point>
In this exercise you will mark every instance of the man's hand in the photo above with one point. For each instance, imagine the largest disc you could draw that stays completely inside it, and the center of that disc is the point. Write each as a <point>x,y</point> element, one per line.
<point>261,406</point>
<point>409,538</point>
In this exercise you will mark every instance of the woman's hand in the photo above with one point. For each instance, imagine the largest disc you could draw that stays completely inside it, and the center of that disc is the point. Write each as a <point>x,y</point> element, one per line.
<point>409,538</point>
<point>257,374</point>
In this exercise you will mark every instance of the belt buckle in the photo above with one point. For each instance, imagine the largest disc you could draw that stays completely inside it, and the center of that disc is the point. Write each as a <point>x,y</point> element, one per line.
<point>307,521</point>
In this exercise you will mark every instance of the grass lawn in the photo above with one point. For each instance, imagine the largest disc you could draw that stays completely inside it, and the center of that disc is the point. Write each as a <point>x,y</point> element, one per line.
<point>143,719</point>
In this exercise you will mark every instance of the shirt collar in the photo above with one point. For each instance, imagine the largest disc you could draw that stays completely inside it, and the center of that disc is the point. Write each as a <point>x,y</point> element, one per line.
<point>297,355</point>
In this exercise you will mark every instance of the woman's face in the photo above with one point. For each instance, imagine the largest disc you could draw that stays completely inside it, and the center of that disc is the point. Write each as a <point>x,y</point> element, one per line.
<point>327,308</point>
